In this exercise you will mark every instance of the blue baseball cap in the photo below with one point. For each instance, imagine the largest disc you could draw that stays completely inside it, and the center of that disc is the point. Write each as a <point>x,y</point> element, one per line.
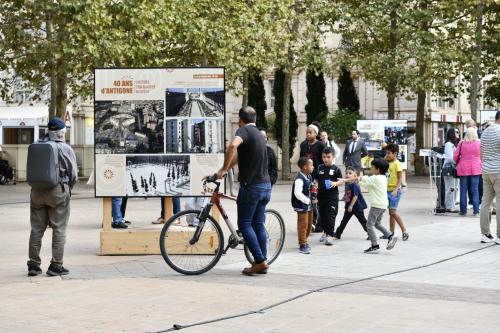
<point>56,124</point>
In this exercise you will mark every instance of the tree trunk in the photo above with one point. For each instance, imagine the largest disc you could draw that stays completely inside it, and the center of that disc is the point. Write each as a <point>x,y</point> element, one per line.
<point>61,96</point>
<point>53,79</point>
<point>421,96</point>
<point>474,84</point>
<point>285,133</point>
<point>391,89</point>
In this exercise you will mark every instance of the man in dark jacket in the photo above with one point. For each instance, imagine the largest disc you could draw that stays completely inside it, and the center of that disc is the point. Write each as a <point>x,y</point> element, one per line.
<point>272,164</point>
<point>355,149</point>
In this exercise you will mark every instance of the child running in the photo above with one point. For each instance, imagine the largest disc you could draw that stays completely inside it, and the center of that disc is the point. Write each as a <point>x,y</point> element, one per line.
<point>328,177</point>
<point>377,185</point>
<point>355,203</point>
<point>394,189</point>
<point>301,202</point>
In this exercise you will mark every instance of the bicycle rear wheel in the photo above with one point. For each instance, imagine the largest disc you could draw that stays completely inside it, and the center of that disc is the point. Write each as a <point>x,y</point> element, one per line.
<point>179,250</point>
<point>275,228</point>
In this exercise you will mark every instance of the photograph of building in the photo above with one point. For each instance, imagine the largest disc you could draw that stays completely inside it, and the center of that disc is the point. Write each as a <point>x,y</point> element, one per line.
<point>194,135</point>
<point>157,175</point>
<point>194,102</point>
<point>129,127</point>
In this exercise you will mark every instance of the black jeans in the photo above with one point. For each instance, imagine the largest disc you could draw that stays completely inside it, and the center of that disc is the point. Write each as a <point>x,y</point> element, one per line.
<point>327,215</point>
<point>360,215</point>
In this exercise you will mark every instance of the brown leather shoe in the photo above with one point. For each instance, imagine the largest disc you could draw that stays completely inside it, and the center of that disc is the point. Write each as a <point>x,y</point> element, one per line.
<point>256,269</point>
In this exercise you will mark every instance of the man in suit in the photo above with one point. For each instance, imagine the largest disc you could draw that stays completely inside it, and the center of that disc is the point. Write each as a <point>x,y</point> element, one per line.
<point>355,149</point>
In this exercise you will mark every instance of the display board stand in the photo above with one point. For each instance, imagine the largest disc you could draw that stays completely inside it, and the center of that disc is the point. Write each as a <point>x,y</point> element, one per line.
<point>133,241</point>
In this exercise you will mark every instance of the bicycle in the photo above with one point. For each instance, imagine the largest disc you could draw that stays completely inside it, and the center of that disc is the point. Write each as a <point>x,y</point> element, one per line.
<point>192,242</point>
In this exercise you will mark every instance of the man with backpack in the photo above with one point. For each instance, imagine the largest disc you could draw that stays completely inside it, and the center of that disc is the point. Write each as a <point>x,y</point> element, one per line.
<point>51,171</point>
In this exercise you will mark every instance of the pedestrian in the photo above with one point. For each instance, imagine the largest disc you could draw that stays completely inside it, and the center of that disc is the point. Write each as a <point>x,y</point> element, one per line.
<point>394,185</point>
<point>470,123</point>
<point>355,149</point>
<point>328,178</point>
<point>272,164</point>
<point>176,203</point>
<point>116,213</point>
<point>248,150</point>
<point>329,143</point>
<point>449,170</point>
<point>490,155</point>
<point>355,203</point>
<point>301,202</point>
<point>377,185</point>
<point>313,149</point>
<point>468,159</point>
<point>51,206</point>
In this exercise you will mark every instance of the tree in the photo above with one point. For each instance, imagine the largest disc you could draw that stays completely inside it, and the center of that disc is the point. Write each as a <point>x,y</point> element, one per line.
<point>257,97</point>
<point>316,107</point>
<point>341,124</point>
<point>347,96</point>
<point>279,78</point>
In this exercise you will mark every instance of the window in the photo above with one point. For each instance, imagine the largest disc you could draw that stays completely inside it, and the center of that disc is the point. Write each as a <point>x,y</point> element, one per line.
<point>18,136</point>
<point>440,102</point>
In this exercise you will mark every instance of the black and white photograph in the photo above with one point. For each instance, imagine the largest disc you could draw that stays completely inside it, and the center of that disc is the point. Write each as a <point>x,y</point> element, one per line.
<point>397,135</point>
<point>194,102</point>
<point>194,135</point>
<point>129,127</point>
<point>164,175</point>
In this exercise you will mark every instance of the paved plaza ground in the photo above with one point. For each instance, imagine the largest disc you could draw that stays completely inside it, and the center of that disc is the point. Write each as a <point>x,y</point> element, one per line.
<point>413,288</point>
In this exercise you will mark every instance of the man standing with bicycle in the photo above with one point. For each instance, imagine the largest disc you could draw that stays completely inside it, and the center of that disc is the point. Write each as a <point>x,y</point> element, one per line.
<point>248,149</point>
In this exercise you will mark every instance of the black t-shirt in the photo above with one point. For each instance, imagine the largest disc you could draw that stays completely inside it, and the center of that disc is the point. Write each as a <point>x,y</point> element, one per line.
<point>252,156</point>
<point>332,173</point>
<point>313,152</point>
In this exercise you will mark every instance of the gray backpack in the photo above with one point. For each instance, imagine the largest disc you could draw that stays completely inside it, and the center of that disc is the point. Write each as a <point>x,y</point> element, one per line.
<point>42,170</point>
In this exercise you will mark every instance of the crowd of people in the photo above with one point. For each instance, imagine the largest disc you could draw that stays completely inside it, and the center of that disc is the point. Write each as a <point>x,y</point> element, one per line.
<point>473,159</point>
<point>316,189</point>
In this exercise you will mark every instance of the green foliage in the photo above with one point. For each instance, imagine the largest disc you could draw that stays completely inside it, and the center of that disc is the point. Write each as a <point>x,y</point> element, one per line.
<point>278,110</point>
<point>346,95</point>
<point>340,124</point>
<point>316,107</point>
<point>257,97</point>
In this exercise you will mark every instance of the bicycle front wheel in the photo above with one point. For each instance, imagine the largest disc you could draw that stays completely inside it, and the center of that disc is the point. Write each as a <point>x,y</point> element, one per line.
<point>275,229</point>
<point>186,253</point>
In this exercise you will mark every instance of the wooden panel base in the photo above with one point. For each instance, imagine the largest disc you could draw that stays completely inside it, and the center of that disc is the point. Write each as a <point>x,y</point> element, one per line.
<point>147,241</point>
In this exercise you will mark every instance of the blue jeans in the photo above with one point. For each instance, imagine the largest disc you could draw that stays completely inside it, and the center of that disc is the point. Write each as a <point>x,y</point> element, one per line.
<point>469,183</point>
<point>252,201</point>
<point>116,204</point>
<point>393,200</point>
<point>176,203</point>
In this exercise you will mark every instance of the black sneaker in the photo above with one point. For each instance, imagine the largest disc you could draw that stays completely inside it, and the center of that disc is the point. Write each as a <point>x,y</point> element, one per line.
<point>119,225</point>
<point>373,249</point>
<point>34,269</point>
<point>55,270</point>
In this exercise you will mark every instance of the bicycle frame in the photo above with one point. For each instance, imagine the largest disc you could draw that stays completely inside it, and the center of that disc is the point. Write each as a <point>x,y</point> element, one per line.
<point>215,199</point>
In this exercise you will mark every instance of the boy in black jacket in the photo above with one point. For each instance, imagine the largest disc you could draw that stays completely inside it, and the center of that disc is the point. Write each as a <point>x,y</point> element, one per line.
<point>328,178</point>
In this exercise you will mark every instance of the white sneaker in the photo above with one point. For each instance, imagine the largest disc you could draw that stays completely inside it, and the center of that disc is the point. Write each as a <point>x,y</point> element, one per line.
<point>329,240</point>
<point>322,238</point>
<point>159,220</point>
<point>486,239</point>
<point>497,241</point>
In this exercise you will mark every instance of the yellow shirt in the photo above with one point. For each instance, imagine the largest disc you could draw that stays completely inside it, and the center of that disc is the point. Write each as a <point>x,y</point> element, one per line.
<point>394,168</point>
